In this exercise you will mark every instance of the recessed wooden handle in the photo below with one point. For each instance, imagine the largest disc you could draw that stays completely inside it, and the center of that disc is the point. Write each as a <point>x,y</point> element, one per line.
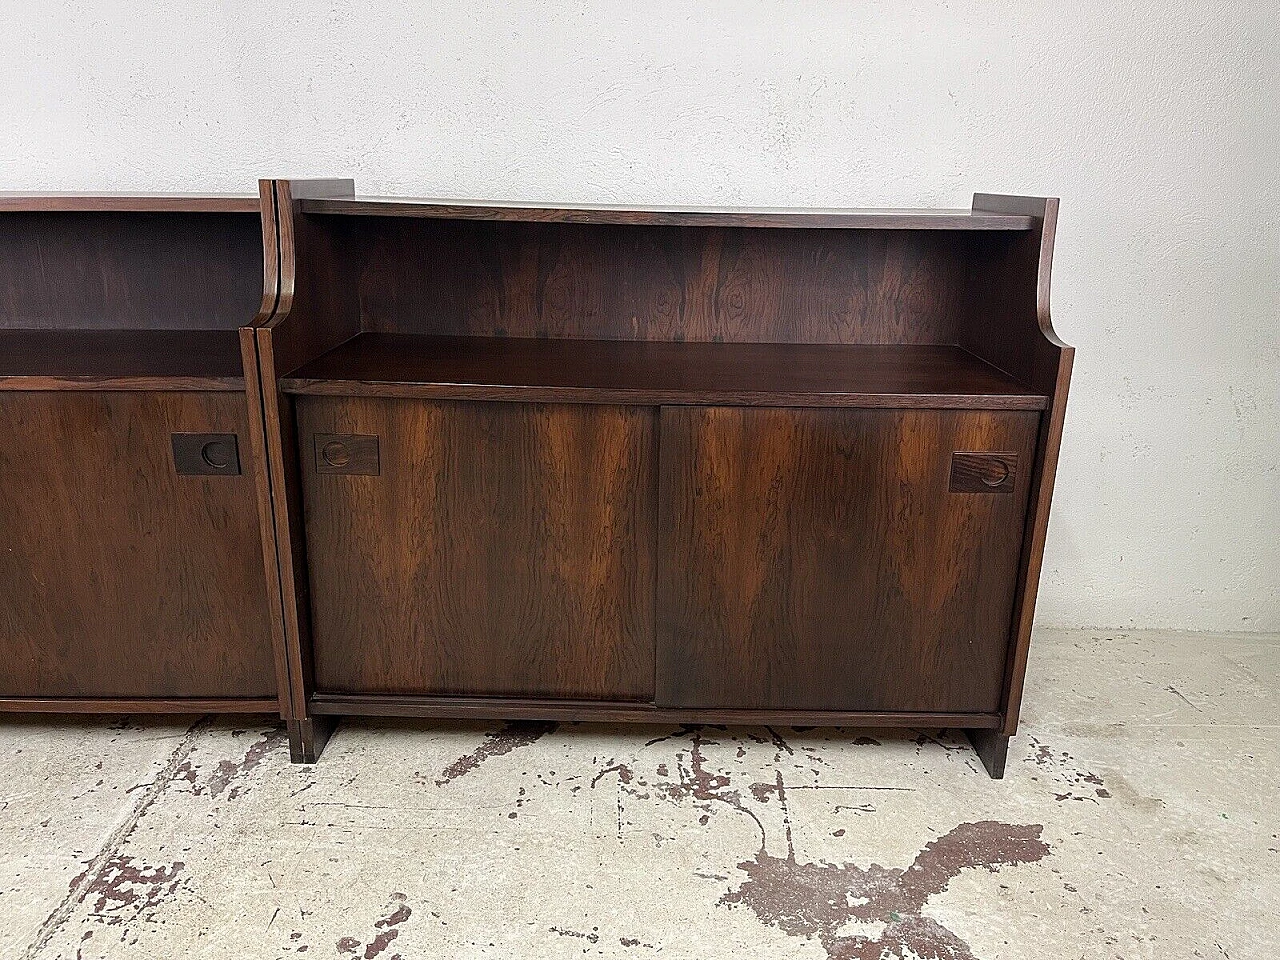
<point>206,454</point>
<point>349,453</point>
<point>983,472</point>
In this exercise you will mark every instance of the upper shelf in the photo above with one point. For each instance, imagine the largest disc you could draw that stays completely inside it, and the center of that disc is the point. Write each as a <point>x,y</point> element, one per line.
<point>120,360</point>
<point>657,372</point>
<point>127,203</point>
<point>875,219</point>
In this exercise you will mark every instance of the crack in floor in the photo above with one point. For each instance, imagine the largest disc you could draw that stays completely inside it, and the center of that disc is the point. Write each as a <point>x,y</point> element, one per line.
<point>115,841</point>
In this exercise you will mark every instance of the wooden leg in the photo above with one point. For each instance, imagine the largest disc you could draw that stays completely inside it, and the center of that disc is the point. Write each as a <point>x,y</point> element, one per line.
<point>308,737</point>
<point>992,748</point>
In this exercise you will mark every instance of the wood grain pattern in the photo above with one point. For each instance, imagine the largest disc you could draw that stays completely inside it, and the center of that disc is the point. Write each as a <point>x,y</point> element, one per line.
<point>504,549</point>
<point>120,360</point>
<point>125,271</point>
<point>609,282</point>
<point>261,475</point>
<point>815,560</point>
<point>830,536</point>
<point>622,371</point>
<point>121,578</point>
<point>778,217</point>
<point>606,711</point>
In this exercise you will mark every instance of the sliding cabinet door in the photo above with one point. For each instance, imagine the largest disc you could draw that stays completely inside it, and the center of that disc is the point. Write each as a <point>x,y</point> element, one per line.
<point>124,572</point>
<point>460,548</point>
<point>839,559</point>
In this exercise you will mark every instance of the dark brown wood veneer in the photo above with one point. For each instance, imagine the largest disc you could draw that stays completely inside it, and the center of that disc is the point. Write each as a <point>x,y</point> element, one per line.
<point>344,455</point>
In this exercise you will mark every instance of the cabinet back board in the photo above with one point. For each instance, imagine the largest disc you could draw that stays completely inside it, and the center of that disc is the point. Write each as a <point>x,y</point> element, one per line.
<point>110,270</point>
<point>629,282</point>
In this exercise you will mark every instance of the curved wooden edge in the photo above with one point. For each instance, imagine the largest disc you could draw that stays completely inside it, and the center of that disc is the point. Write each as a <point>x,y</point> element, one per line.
<point>270,254</point>
<point>287,198</point>
<point>1043,210</point>
<point>1049,366</point>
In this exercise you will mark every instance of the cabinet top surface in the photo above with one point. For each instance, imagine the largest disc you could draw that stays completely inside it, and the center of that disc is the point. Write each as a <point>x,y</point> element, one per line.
<point>128,203</point>
<point>870,219</point>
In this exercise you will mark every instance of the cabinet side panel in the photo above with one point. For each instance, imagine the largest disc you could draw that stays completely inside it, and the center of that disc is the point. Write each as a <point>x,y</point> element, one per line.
<point>818,559</point>
<point>121,577</point>
<point>480,548</point>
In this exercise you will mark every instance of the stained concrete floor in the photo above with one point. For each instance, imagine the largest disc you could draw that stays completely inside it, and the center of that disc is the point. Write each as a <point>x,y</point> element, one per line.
<point>1137,819</point>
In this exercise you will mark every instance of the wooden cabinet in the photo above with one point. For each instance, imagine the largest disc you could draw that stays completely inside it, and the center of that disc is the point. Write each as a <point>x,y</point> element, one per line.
<point>726,466</point>
<point>132,575</point>
<point>819,559</point>
<point>348,456</point>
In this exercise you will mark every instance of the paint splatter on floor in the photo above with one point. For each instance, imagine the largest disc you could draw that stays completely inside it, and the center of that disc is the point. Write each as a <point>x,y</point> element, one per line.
<point>819,900</point>
<point>498,743</point>
<point>228,772</point>
<point>386,930</point>
<point>126,890</point>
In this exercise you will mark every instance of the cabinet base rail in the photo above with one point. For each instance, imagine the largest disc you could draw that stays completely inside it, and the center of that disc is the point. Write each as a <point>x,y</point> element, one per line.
<point>511,708</point>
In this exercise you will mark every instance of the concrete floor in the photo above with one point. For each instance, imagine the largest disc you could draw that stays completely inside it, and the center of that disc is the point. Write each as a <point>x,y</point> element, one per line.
<point>1137,819</point>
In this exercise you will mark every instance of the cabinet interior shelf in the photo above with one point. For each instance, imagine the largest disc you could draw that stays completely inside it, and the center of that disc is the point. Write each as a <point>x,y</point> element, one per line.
<point>120,360</point>
<point>660,372</point>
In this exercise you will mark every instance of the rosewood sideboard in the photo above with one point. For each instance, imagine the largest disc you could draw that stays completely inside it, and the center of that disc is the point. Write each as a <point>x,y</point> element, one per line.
<point>132,574</point>
<point>708,466</point>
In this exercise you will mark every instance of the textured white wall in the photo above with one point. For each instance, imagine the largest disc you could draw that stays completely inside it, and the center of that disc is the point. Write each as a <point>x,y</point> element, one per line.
<point>1158,126</point>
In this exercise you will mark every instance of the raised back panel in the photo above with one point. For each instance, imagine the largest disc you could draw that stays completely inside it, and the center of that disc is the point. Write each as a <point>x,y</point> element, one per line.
<point>113,270</point>
<point>626,282</point>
